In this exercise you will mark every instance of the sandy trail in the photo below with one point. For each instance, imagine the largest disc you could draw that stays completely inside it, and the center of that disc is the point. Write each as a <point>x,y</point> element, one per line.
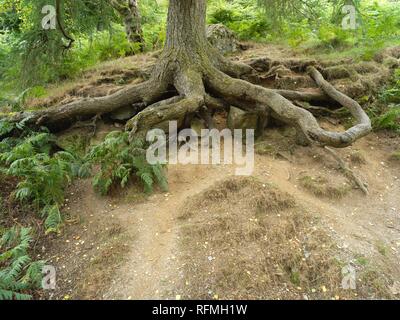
<point>152,268</point>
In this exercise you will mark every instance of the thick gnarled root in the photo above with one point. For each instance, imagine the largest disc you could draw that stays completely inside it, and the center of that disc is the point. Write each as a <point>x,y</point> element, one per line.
<point>205,86</point>
<point>192,97</point>
<point>286,111</point>
<point>143,93</point>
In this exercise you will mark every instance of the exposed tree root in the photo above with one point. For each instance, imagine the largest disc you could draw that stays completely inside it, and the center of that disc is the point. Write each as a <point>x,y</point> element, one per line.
<point>321,110</point>
<point>188,82</point>
<point>234,69</point>
<point>143,93</point>
<point>348,172</point>
<point>267,64</point>
<point>151,117</point>
<point>308,96</point>
<point>287,112</point>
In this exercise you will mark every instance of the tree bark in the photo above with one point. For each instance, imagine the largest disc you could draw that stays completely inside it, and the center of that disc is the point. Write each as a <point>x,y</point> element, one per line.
<point>130,13</point>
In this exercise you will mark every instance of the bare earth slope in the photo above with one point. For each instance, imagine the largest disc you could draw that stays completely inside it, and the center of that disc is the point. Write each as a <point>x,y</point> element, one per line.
<point>187,244</point>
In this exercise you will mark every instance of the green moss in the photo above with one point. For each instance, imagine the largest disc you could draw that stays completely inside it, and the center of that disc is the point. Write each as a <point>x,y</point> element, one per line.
<point>264,148</point>
<point>361,260</point>
<point>382,248</point>
<point>395,156</point>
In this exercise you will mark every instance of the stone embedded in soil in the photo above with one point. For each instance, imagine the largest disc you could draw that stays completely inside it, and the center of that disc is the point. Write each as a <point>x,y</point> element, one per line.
<point>239,119</point>
<point>123,114</point>
<point>222,38</point>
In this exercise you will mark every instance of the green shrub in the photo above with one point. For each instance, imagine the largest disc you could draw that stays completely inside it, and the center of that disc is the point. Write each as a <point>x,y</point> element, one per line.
<point>389,120</point>
<point>120,160</point>
<point>18,273</point>
<point>245,18</point>
<point>107,46</point>
<point>334,36</point>
<point>42,175</point>
<point>43,180</point>
<point>386,111</point>
<point>297,33</point>
<point>392,93</point>
<point>153,23</point>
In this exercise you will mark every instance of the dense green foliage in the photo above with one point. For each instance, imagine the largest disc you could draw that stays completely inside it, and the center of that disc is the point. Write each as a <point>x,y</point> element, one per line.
<point>389,101</point>
<point>31,56</point>
<point>120,159</point>
<point>43,175</point>
<point>245,18</point>
<point>18,273</point>
<point>310,24</point>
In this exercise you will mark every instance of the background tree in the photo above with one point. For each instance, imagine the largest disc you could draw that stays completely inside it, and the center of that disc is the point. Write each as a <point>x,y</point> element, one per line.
<point>46,55</point>
<point>129,11</point>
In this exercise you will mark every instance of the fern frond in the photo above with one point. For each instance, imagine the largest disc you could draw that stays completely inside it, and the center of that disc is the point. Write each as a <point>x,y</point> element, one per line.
<point>53,220</point>
<point>160,176</point>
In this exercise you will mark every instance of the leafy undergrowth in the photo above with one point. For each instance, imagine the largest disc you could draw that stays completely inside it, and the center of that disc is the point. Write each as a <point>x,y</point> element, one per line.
<point>386,112</point>
<point>42,173</point>
<point>389,120</point>
<point>19,275</point>
<point>250,240</point>
<point>120,160</point>
<point>36,174</point>
<point>39,176</point>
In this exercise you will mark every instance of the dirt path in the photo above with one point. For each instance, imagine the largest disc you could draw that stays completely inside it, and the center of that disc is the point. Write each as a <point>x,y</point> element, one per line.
<point>152,268</point>
<point>119,248</point>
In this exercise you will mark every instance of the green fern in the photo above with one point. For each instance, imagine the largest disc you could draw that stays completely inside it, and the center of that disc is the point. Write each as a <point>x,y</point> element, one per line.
<point>18,274</point>
<point>53,218</point>
<point>6,128</point>
<point>120,160</point>
<point>43,176</point>
<point>159,174</point>
<point>392,93</point>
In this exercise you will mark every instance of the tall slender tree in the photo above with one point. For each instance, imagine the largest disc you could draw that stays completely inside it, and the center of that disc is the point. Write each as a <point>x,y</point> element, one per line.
<point>130,13</point>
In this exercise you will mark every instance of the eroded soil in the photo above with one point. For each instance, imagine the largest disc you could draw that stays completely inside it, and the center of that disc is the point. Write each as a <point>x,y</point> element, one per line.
<point>188,244</point>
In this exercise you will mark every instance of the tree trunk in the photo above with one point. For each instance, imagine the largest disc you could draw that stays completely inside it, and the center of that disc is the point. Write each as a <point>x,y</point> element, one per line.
<point>130,13</point>
<point>186,28</point>
<point>199,74</point>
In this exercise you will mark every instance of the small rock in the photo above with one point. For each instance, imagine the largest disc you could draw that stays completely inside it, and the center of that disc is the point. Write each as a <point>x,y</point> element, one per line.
<point>123,114</point>
<point>240,119</point>
<point>222,38</point>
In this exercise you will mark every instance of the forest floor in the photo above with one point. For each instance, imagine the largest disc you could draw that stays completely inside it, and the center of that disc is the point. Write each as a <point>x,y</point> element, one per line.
<point>288,231</point>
